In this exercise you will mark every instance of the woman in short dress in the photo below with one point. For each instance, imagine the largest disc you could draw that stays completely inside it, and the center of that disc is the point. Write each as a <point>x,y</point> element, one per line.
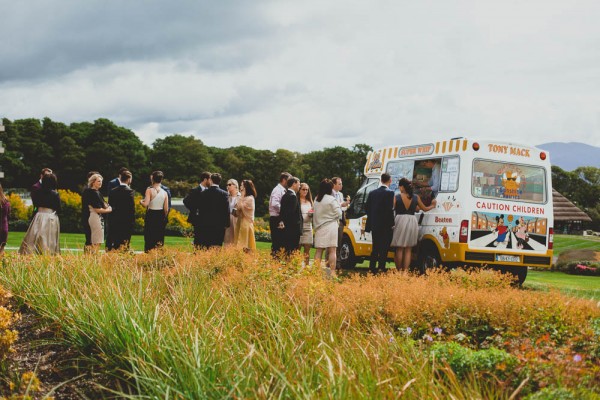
<point>156,202</point>
<point>4,214</point>
<point>97,207</point>
<point>244,231</point>
<point>234,196</point>
<point>326,219</point>
<point>42,236</point>
<point>406,228</point>
<point>306,208</point>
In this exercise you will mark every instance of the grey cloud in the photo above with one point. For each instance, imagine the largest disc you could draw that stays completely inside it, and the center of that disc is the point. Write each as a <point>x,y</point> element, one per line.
<point>51,38</point>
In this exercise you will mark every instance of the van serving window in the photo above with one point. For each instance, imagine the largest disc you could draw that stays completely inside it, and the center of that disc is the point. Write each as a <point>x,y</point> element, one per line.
<point>509,181</point>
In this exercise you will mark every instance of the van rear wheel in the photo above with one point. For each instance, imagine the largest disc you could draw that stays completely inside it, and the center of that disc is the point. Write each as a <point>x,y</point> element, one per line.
<point>429,258</point>
<point>347,257</point>
<point>519,274</point>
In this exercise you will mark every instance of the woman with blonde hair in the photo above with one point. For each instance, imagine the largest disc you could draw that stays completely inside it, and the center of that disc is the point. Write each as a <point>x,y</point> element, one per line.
<point>326,222</point>
<point>98,207</point>
<point>306,208</point>
<point>4,213</point>
<point>234,196</point>
<point>244,233</point>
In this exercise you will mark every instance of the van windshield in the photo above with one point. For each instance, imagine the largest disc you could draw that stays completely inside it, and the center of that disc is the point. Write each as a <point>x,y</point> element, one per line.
<point>500,180</point>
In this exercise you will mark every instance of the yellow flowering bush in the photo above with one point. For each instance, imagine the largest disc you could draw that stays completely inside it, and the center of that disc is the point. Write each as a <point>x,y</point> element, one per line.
<point>20,213</point>
<point>70,215</point>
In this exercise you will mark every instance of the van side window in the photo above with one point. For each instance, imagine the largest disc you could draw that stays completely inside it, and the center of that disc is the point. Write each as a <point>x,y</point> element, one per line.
<point>358,207</point>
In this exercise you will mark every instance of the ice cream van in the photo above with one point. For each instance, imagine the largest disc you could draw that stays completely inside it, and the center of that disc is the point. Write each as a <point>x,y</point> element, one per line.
<point>493,204</point>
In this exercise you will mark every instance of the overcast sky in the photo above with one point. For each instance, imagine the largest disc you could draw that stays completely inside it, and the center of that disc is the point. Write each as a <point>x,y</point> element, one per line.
<point>303,75</point>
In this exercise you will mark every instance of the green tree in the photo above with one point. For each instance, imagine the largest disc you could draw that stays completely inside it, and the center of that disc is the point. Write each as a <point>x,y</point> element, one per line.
<point>181,157</point>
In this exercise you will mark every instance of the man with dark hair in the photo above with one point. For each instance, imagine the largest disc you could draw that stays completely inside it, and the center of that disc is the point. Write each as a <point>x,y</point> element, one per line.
<point>212,215</point>
<point>204,180</point>
<point>274,211</point>
<point>116,182</point>
<point>290,216</point>
<point>191,200</point>
<point>380,222</point>
<point>122,217</point>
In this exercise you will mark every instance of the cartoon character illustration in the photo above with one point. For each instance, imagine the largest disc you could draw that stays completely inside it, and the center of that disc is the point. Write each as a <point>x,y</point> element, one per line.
<point>376,161</point>
<point>512,183</point>
<point>521,233</point>
<point>445,237</point>
<point>501,229</point>
<point>363,226</point>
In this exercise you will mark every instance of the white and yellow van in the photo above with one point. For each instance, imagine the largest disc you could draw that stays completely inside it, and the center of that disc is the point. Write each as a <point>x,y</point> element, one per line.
<point>494,205</point>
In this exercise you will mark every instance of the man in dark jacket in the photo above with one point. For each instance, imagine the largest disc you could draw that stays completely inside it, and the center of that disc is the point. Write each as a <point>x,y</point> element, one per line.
<point>291,216</point>
<point>380,222</point>
<point>212,214</point>
<point>122,217</point>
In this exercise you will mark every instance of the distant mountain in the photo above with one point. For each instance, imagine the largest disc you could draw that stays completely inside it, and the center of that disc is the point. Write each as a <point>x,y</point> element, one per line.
<point>569,156</point>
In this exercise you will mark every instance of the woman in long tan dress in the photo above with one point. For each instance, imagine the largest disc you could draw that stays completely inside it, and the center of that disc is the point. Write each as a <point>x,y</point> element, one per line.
<point>244,233</point>
<point>234,196</point>
<point>97,208</point>
<point>42,237</point>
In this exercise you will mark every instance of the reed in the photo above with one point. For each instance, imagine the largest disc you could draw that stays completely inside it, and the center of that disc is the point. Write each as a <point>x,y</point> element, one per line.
<point>225,324</point>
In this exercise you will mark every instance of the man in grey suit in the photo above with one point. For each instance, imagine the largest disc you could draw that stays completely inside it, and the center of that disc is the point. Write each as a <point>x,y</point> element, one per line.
<point>380,222</point>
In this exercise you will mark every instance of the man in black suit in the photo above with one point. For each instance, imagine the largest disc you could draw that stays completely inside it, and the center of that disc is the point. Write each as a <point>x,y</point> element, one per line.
<point>291,217</point>
<point>380,222</point>
<point>192,201</point>
<point>122,217</point>
<point>212,215</point>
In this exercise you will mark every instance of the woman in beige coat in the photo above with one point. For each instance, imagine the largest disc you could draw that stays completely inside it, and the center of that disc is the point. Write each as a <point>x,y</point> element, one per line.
<point>326,217</point>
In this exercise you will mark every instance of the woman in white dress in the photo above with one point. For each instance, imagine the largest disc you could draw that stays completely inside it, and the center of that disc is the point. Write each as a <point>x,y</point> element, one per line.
<point>234,196</point>
<point>306,208</point>
<point>157,203</point>
<point>325,223</point>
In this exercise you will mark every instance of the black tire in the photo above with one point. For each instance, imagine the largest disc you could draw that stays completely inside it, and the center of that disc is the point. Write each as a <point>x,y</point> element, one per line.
<point>429,258</point>
<point>347,257</point>
<point>519,273</point>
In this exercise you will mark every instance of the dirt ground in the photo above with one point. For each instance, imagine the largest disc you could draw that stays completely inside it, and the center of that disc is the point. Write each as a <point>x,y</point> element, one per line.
<point>59,368</point>
<point>579,255</point>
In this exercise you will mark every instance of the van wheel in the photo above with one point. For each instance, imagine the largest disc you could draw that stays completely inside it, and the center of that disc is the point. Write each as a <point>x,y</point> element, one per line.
<point>429,258</point>
<point>519,274</point>
<point>347,258</point>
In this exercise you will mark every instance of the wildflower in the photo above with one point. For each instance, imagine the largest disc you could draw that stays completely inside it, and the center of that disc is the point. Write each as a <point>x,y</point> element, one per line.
<point>437,330</point>
<point>408,330</point>
<point>391,339</point>
<point>577,358</point>
<point>428,338</point>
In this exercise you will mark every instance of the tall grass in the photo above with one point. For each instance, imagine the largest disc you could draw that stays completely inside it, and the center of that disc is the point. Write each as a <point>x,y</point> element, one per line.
<point>223,324</point>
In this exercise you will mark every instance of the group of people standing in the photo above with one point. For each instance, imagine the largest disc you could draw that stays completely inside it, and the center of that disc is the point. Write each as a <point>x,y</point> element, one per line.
<point>222,217</point>
<point>392,222</point>
<point>294,217</point>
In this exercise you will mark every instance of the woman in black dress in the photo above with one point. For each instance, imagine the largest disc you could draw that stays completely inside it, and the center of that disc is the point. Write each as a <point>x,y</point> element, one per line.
<point>157,203</point>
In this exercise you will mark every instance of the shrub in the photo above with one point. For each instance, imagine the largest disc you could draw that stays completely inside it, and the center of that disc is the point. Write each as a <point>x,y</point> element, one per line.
<point>18,209</point>
<point>262,231</point>
<point>464,361</point>
<point>580,268</point>
<point>70,215</point>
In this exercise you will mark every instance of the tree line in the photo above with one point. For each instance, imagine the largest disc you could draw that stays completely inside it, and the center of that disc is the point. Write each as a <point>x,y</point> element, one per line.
<point>73,150</point>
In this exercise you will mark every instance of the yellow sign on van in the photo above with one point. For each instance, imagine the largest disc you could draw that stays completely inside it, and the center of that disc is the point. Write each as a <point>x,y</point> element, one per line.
<point>420,150</point>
